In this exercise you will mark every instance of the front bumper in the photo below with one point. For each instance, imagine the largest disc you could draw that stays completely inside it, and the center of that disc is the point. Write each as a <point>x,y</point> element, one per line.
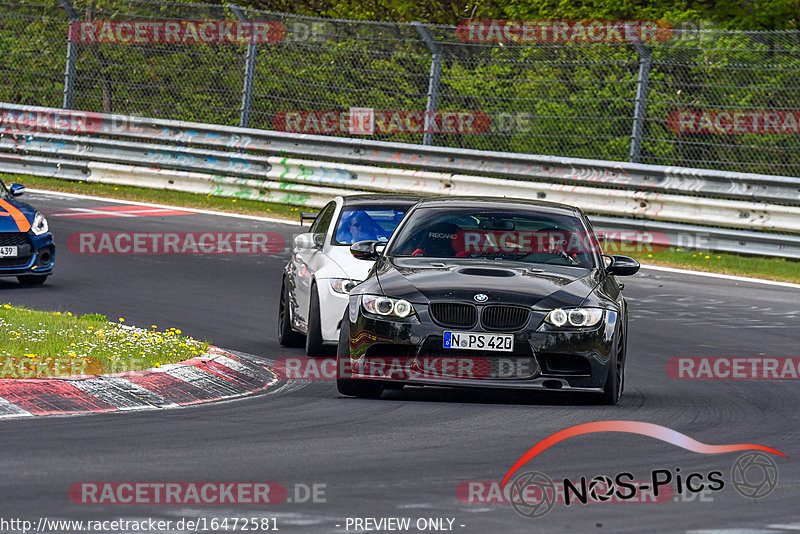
<point>331,310</point>
<point>37,255</point>
<point>543,358</point>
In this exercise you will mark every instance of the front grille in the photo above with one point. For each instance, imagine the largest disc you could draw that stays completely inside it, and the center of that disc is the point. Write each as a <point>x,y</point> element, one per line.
<point>504,317</point>
<point>13,239</point>
<point>453,314</point>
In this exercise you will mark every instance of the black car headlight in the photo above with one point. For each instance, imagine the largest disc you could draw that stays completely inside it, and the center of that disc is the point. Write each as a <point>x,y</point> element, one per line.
<point>39,225</point>
<point>387,306</point>
<point>574,317</point>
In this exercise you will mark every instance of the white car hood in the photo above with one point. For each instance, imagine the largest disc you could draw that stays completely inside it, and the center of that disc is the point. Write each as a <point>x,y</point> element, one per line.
<point>353,269</point>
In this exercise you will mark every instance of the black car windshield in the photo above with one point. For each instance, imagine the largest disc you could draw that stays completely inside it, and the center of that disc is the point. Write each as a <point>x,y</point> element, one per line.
<point>515,235</point>
<point>365,223</point>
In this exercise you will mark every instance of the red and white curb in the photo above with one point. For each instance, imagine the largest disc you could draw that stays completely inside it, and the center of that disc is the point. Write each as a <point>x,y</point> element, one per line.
<point>216,375</point>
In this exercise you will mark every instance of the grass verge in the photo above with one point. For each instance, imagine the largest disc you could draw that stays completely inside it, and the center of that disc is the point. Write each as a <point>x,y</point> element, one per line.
<point>779,269</point>
<point>36,344</point>
<point>754,266</point>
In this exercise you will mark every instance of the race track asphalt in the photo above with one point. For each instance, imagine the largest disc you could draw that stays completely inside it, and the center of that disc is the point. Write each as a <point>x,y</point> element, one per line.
<point>403,455</point>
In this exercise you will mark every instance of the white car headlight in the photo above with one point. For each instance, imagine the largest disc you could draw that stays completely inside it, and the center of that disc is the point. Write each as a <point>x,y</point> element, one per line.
<point>575,317</point>
<point>343,285</point>
<point>39,225</point>
<point>387,306</point>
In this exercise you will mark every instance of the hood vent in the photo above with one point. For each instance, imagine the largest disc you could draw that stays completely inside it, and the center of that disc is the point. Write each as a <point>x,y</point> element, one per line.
<point>480,271</point>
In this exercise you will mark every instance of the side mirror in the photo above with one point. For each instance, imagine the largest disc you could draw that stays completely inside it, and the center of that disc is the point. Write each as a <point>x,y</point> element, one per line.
<point>621,265</point>
<point>366,250</point>
<point>309,240</point>
<point>16,190</point>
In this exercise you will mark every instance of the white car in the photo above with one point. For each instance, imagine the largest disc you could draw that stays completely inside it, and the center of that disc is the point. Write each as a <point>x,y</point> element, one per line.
<point>321,271</point>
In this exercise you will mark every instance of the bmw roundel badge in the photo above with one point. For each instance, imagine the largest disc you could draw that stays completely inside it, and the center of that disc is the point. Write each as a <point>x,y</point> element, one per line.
<point>481,297</point>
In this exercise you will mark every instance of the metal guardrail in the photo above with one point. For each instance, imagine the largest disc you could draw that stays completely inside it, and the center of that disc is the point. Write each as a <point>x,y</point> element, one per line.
<point>264,165</point>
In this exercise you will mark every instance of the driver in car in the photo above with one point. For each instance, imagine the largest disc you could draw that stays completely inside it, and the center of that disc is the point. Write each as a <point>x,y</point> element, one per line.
<point>362,227</point>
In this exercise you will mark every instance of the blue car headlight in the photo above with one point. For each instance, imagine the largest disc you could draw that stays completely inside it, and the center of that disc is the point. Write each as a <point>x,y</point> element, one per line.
<point>39,225</point>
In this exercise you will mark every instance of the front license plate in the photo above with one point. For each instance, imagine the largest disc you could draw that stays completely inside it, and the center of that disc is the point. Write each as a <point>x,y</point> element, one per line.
<point>479,341</point>
<point>8,252</point>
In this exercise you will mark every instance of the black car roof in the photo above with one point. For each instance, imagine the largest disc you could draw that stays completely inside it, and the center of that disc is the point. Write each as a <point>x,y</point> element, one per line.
<point>377,200</point>
<point>499,203</point>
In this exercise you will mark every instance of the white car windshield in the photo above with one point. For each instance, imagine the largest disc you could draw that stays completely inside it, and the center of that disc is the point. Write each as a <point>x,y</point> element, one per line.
<point>367,224</point>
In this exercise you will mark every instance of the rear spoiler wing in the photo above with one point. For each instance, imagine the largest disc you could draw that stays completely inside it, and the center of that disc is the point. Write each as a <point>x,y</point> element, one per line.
<point>307,216</point>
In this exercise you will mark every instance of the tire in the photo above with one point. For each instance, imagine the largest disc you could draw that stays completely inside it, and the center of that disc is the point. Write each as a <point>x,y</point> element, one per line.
<point>32,279</point>
<point>286,336</point>
<point>314,342</point>
<point>366,389</point>
<point>616,374</point>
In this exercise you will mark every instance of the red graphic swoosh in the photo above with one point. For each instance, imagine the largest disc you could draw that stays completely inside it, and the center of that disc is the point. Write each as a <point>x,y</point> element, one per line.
<point>633,427</point>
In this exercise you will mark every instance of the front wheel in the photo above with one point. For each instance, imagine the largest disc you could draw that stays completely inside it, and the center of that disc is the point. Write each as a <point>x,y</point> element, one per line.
<point>32,279</point>
<point>286,336</point>
<point>349,387</point>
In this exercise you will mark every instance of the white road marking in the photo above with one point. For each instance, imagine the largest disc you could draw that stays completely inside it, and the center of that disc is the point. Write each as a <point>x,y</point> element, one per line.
<point>722,276</point>
<point>7,409</point>
<point>120,393</point>
<point>138,391</point>
<point>236,366</point>
<point>789,526</point>
<point>164,206</point>
<point>208,382</point>
<point>82,212</point>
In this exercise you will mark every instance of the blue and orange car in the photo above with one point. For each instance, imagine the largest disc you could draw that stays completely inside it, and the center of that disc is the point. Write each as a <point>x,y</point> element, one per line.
<point>27,250</point>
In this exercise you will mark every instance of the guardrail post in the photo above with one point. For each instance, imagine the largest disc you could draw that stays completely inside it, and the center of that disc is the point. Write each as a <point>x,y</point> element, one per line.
<point>433,80</point>
<point>72,55</point>
<point>249,72</point>
<point>640,106</point>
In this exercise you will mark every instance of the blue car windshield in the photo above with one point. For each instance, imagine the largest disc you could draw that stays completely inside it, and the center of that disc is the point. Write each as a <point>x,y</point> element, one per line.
<point>367,224</point>
<point>3,190</point>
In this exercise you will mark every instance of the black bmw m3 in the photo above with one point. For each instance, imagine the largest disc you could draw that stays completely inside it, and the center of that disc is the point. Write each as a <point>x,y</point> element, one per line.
<point>487,293</point>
